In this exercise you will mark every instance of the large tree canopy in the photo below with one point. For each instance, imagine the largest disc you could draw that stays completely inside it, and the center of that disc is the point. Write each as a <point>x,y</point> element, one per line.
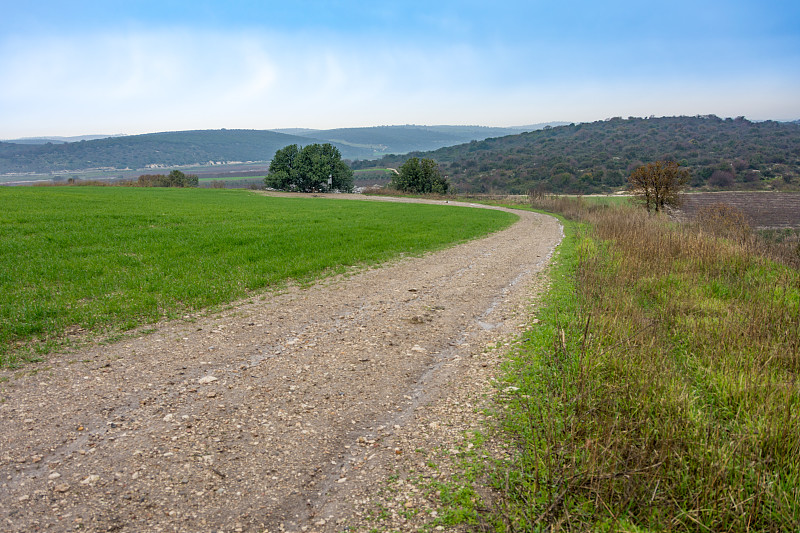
<point>657,184</point>
<point>313,168</point>
<point>420,176</point>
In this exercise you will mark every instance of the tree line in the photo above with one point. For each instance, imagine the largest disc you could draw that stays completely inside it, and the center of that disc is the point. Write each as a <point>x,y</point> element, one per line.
<point>175,178</point>
<point>319,168</point>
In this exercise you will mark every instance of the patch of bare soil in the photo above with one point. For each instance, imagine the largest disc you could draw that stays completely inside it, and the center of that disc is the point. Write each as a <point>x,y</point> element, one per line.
<point>294,412</point>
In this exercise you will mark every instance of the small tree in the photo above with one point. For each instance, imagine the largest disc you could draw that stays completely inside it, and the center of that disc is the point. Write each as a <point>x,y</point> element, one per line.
<point>657,184</point>
<point>420,176</point>
<point>316,167</point>
<point>176,178</point>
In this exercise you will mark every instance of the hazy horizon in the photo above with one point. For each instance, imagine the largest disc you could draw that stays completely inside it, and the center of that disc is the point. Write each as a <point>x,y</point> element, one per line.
<point>280,130</point>
<point>71,69</point>
<point>520,127</point>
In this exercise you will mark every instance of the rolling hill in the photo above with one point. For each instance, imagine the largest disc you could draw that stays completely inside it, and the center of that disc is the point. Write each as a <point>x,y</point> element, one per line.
<point>185,148</point>
<point>596,157</point>
<point>402,139</point>
<point>153,150</point>
<point>57,139</point>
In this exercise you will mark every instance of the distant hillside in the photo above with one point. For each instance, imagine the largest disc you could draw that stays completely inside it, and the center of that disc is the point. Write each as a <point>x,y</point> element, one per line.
<point>538,126</point>
<point>598,157</point>
<point>57,139</point>
<point>182,148</point>
<point>402,139</point>
<point>153,150</point>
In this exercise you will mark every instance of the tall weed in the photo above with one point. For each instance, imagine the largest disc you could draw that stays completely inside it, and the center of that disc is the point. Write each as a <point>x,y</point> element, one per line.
<point>658,389</point>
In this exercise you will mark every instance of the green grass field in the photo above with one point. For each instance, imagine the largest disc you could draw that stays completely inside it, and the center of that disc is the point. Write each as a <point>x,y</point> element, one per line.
<point>374,170</point>
<point>232,178</point>
<point>108,259</point>
<point>608,201</point>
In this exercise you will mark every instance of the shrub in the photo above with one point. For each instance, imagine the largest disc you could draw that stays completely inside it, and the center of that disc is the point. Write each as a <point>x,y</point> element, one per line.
<point>724,220</point>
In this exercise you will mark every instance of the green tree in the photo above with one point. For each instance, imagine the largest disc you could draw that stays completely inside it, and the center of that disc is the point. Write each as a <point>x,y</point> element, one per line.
<point>657,184</point>
<point>313,168</point>
<point>281,168</point>
<point>420,176</point>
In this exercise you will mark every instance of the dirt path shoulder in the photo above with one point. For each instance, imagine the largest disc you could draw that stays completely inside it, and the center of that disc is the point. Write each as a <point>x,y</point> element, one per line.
<point>287,413</point>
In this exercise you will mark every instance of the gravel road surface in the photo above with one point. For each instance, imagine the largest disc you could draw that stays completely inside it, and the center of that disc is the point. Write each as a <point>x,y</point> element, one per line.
<point>305,410</point>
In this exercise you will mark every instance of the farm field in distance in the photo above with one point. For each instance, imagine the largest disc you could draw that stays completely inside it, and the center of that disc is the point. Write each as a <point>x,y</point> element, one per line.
<point>91,260</point>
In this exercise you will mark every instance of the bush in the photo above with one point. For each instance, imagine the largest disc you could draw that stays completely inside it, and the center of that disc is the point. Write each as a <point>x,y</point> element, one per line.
<point>724,220</point>
<point>176,178</point>
<point>721,179</point>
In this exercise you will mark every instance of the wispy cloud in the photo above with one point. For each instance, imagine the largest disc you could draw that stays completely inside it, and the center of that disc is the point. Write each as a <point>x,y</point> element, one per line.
<point>223,79</point>
<point>454,63</point>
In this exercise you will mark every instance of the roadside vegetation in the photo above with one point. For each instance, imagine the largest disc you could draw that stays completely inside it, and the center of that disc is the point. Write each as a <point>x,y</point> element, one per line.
<point>657,385</point>
<point>84,261</point>
<point>175,178</point>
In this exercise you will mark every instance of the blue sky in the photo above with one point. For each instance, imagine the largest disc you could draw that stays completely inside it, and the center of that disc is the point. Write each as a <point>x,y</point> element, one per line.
<point>80,67</point>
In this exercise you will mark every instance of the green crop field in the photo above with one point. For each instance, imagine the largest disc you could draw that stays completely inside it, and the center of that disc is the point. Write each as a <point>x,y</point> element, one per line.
<point>232,178</point>
<point>380,170</point>
<point>108,259</point>
<point>609,201</point>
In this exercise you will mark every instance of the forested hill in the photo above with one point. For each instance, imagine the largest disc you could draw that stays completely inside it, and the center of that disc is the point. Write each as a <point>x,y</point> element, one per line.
<point>198,147</point>
<point>154,149</point>
<point>599,156</point>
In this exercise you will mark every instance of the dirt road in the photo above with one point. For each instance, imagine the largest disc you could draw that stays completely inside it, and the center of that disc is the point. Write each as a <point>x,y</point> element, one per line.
<point>288,412</point>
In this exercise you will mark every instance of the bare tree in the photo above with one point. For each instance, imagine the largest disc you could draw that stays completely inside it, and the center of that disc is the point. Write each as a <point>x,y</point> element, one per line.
<point>657,184</point>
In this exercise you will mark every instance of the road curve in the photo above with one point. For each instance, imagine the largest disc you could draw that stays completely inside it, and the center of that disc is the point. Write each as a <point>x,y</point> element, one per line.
<point>283,413</point>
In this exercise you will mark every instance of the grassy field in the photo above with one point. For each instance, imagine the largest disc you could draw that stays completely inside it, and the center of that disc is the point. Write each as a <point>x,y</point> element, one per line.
<point>374,170</point>
<point>227,178</point>
<point>608,201</point>
<point>91,260</point>
<point>657,388</point>
<point>232,178</point>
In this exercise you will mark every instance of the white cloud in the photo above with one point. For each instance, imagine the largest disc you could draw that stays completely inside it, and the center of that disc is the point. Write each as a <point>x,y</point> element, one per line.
<point>176,78</point>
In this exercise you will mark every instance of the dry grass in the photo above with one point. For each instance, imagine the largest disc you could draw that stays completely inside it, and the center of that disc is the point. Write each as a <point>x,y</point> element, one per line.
<point>659,390</point>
